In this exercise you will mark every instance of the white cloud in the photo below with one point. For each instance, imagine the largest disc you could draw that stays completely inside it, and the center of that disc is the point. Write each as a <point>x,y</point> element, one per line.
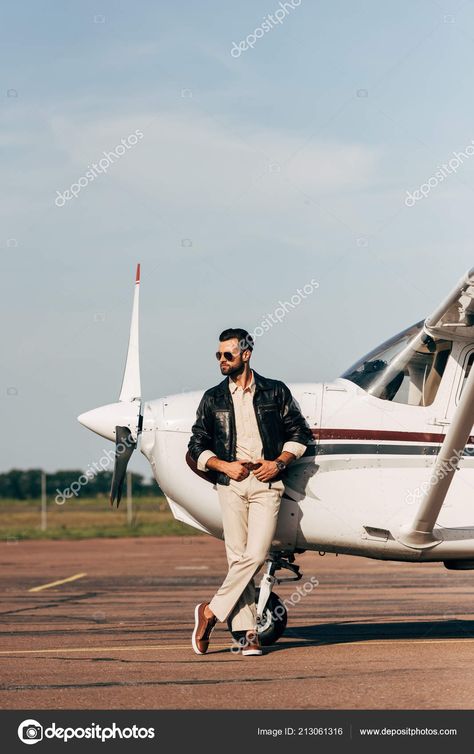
<point>197,162</point>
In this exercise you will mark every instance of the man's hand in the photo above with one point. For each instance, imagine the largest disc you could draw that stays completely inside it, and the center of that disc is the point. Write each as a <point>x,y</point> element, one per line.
<point>267,471</point>
<point>236,470</point>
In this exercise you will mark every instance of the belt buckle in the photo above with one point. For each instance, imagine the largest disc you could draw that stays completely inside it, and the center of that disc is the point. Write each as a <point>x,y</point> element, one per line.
<point>252,466</point>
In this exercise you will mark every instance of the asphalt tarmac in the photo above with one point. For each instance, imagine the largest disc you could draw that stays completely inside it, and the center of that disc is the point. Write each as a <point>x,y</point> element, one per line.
<point>114,632</point>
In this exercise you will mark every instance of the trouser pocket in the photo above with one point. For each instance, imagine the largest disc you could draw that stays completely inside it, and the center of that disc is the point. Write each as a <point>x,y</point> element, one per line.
<point>276,485</point>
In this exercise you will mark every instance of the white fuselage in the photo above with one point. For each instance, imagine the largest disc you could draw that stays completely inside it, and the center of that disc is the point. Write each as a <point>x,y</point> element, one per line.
<point>357,485</point>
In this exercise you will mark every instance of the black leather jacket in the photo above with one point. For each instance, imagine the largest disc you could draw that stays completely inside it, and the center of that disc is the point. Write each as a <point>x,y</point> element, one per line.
<point>279,420</point>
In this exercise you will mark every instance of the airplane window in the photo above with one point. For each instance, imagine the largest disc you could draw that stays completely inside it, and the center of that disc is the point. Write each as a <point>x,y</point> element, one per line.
<point>405,369</point>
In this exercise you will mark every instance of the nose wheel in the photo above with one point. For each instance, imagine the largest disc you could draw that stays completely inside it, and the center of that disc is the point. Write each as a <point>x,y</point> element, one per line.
<point>272,614</point>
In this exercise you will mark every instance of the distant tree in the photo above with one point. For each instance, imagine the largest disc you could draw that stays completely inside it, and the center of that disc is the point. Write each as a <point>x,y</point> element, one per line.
<point>21,484</point>
<point>26,484</point>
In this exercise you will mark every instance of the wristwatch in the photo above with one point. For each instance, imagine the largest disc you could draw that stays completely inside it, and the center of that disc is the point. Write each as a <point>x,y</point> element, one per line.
<point>280,465</point>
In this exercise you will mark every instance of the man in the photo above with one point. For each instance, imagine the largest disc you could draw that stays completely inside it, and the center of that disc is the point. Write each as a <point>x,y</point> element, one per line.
<point>248,429</point>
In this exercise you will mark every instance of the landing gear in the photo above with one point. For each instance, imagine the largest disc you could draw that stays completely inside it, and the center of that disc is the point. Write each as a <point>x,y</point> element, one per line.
<point>272,614</point>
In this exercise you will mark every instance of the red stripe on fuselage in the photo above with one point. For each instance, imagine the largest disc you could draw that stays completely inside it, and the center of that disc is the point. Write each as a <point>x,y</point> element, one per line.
<point>324,433</point>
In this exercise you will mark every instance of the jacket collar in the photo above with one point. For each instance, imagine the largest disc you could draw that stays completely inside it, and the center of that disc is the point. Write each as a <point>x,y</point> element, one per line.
<point>233,386</point>
<point>260,383</point>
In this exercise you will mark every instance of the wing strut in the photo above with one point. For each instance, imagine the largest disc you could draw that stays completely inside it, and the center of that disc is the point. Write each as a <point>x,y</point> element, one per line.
<point>420,533</point>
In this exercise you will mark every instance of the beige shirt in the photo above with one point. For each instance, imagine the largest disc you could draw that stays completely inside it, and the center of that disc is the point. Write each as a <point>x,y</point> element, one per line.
<point>249,443</point>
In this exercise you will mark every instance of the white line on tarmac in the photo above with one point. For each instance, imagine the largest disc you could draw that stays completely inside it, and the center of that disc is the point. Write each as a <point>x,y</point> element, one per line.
<point>226,646</point>
<point>56,583</point>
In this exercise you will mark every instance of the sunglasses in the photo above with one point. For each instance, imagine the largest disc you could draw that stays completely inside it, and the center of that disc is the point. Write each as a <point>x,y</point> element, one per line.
<point>228,356</point>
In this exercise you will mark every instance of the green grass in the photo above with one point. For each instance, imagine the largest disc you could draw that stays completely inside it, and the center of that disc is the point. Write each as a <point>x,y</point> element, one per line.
<point>88,517</point>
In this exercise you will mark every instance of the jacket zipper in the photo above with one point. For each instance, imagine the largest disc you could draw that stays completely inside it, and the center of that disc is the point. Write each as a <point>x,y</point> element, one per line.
<point>257,416</point>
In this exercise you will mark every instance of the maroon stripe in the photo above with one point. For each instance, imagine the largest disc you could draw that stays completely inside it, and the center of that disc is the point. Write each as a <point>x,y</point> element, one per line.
<point>209,476</point>
<point>323,433</point>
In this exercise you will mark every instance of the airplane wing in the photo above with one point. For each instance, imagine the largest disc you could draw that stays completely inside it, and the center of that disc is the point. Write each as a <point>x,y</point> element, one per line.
<point>454,318</point>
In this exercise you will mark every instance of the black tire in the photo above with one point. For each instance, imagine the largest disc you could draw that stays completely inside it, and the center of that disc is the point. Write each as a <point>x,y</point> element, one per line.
<point>273,624</point>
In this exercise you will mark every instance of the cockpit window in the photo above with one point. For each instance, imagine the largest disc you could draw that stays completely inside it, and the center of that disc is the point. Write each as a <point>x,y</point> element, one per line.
<point>405,369</point>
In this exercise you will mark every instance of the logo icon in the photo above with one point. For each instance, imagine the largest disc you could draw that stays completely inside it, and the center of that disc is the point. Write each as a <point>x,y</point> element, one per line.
<point>30,731</point>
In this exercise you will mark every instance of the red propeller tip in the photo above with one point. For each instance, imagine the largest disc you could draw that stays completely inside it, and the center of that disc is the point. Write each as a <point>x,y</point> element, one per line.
<point>137,279</point>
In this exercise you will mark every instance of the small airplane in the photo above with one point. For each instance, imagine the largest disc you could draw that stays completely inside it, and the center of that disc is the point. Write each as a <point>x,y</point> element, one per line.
<point>389,474</point>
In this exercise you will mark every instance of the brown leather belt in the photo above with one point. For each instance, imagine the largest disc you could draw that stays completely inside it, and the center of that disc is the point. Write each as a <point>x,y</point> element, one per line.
<point>250,466</point>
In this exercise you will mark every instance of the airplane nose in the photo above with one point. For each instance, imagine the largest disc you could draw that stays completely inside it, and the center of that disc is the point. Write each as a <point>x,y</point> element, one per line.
<point>86,419</point>
<point>95,420</point>
<point>104,419</point>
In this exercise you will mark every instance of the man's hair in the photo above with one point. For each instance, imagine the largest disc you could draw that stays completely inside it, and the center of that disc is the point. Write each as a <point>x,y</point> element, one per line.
<point>244,338</point>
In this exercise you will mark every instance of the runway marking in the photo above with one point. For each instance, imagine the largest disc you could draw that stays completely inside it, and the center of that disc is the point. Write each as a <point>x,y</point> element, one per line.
<point>226,646</point>
<point>102,649</point>
<point>56,583</point>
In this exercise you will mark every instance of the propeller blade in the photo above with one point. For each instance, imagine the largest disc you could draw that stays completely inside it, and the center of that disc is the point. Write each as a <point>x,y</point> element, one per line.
<point>131,386</point>
<point>124,447</point>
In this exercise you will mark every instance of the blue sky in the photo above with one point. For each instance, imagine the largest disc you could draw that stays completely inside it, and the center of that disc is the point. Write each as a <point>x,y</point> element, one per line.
<point>255,175</point>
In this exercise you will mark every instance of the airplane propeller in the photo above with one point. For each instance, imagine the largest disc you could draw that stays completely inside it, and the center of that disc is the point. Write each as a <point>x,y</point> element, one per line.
<point>124,447</point>
<point>131,391</point>
<point>122,421</point>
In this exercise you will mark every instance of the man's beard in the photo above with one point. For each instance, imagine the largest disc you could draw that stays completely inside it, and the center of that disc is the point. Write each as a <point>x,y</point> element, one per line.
<point>235,371</point>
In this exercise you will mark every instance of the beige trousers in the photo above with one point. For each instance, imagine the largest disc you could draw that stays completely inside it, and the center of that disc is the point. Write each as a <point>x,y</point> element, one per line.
<point>249,516</point>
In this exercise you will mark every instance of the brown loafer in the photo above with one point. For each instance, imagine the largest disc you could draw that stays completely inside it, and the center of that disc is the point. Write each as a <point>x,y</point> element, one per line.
<point>203,628</point>
<point>252,644</point>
